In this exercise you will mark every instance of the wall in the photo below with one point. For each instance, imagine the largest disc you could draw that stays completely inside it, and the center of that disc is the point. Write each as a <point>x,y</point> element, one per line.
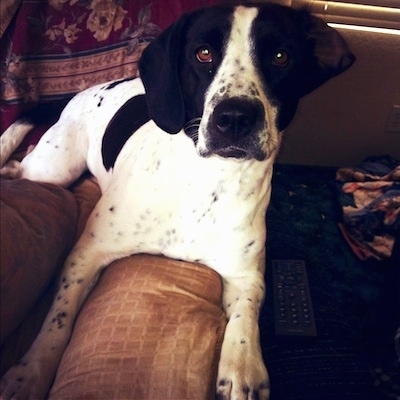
<point>344,121</point>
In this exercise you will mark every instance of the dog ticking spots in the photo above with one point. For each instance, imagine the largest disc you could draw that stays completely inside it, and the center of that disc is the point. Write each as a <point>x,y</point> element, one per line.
<point>59,319</point>
<point>214,197</point>
<point>65,283</point>
<point>248,246</point>
<point>237,62</point>
<point>223,382</point>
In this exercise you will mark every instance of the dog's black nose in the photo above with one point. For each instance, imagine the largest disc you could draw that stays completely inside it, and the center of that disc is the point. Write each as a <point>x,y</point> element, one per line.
<point>237,117</point>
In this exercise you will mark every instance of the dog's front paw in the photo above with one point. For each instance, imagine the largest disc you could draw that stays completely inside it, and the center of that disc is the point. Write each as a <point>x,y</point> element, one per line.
<point>242,377</point>
<point>23,383</point>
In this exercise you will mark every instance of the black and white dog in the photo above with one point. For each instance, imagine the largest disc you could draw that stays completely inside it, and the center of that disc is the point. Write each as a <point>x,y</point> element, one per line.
<point>184,159</point>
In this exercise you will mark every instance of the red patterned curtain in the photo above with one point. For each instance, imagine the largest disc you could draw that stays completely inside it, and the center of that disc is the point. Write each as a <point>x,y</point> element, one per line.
<point>51,49</point>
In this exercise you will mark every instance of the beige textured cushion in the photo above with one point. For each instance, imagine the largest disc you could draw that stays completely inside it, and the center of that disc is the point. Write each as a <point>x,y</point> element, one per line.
<point>151,329</point>
<point>41,219</point>
<point>38,224</point>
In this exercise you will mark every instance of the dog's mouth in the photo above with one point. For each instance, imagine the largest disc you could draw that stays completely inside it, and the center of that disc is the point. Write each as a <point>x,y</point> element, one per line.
<point>229,152</point>
<point>236,152</point>
<point>232,153</point>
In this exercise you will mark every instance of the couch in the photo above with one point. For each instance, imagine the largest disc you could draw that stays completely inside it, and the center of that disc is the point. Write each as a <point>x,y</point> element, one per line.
<point>152,328</point>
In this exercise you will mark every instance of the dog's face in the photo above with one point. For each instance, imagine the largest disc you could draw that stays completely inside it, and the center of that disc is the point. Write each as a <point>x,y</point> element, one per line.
<point>232,76</point>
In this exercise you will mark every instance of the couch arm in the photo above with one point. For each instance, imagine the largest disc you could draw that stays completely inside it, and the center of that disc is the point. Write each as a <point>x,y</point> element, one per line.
<point>151,329</point>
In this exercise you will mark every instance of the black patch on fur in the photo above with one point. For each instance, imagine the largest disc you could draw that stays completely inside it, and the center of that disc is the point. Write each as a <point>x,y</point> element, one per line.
<point>116,83</point>
<point>127,120</point>
<point>46,113</point>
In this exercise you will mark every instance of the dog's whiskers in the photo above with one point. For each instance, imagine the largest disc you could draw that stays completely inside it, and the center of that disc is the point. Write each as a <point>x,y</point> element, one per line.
<point>191,129</point>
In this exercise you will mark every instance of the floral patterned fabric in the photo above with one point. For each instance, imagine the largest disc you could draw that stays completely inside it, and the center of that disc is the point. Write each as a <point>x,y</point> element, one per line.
<point>56,48</point>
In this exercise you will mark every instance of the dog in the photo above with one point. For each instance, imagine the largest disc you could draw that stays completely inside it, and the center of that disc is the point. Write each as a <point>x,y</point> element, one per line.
<point>184,157</point>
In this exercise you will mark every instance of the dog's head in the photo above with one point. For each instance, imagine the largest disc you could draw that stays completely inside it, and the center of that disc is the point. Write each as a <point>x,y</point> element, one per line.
<point>231,77</point>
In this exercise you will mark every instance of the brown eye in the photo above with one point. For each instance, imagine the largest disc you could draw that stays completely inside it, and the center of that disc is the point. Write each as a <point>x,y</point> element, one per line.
<point>204,55</point>
<point>281,59</point>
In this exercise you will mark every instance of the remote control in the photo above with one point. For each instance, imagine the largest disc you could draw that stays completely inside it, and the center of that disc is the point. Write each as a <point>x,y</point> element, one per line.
<point>294,314</point>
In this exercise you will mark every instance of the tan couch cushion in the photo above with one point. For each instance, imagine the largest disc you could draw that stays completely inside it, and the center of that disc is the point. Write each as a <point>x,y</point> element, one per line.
<point>151,329</point>
<point>38,224</point>
<point>19,209</point>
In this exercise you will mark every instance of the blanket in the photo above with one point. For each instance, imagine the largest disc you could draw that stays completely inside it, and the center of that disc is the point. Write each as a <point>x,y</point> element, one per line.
<point>369,195</point>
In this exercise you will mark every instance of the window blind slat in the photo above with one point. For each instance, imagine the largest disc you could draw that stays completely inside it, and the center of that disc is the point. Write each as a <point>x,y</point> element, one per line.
<point>346,12</point>
<point>381,3</point>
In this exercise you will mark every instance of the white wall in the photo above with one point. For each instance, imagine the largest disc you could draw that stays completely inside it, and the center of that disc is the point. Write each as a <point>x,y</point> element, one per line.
<point>344,121</point>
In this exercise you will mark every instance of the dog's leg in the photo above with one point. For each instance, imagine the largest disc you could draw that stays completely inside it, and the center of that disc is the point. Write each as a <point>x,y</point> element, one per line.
<point>11,139</point>
<point>58,158</point>
<point>242,374</point>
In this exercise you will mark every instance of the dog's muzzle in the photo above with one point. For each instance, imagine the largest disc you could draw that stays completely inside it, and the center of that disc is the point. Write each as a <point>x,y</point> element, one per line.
<point>234,129</point>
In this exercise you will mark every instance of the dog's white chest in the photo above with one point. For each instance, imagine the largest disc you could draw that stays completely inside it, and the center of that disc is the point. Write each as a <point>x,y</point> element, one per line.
<point>165,199</point>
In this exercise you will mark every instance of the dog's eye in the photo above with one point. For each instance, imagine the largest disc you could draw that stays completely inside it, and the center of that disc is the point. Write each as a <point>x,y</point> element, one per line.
<point>281,59</point>
<point>204,55</point>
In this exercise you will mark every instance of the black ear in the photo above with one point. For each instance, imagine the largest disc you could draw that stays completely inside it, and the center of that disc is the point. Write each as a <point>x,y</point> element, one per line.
<point>158,68</point>
<point>331,54</point>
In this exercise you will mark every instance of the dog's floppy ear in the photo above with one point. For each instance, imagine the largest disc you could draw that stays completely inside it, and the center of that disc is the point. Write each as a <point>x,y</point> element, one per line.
<point>158,68</point>
<point>331,54</point>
